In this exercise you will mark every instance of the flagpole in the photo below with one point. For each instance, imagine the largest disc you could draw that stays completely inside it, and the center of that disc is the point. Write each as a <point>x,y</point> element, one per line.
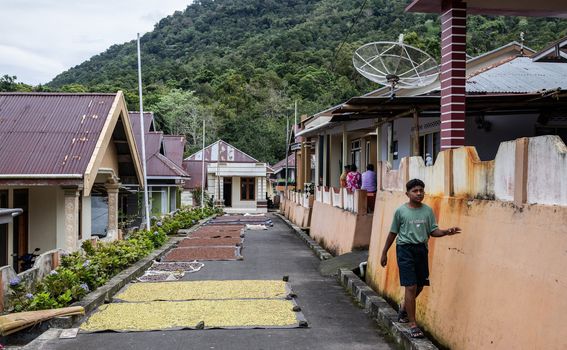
<point>203,171</point>
<point>142,137</point>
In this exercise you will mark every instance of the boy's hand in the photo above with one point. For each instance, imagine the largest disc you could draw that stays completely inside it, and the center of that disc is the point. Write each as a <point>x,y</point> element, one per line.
<point>384,260</point>
<point>453,231</point>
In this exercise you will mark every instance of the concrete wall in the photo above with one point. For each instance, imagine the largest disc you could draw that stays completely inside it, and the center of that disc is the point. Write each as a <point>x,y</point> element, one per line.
<point>498,285</point>
<point>298,214</point>
<point>338,230</point>
<point>110,160</point>
<point>236,202</point>
<point>547,171</point>
<point>43,218</point>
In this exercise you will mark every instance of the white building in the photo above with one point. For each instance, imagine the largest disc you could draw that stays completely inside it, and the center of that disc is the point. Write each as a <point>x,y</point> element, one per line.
<point>234,179</point>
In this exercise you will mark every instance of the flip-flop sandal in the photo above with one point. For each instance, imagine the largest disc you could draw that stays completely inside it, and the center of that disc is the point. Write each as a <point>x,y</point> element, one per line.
<point>415,332</point>
<point>402,316</point>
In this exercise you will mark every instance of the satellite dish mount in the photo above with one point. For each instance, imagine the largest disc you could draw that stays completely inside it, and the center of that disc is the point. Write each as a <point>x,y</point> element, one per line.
<point>395,64</point>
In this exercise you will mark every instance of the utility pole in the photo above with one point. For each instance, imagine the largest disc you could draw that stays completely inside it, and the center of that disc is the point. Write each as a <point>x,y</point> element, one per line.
<point>286,150</point>
<point>203,171</point>
<point>142,137</point>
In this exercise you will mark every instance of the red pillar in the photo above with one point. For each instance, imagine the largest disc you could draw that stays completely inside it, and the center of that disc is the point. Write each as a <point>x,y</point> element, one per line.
<point>453,71</point>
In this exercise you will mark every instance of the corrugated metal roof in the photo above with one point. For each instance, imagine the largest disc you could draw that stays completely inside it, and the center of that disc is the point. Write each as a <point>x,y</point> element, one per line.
<point>174,146</point>
<point>194,168</point>
<point>50,133</point>
<point>281,164</point>
<point>519,75</point>
<point>157,164</point>
<point>223,152</point>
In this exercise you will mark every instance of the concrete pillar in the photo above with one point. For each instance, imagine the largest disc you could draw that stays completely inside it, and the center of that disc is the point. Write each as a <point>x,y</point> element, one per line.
<point>415,134</point>
<point>521,172</point>
<point>325,160</point>
<point>345,148</point>
<point>390,143</point>
<point>378,144</point>
<point>299,169</point>
<point>71,230</point>
<point>448,189</point>
<point>112,190</point>
<point>307,162</point>
<point>453,73</point>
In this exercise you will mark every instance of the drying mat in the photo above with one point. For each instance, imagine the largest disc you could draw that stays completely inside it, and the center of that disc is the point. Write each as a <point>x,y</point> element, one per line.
<point>203,253</point>
<point>217,234</point>
<point>197,314</point>
<point>193,266</point>
<point>199,242</point>
<point>220,229</point>
<point>193,290</point>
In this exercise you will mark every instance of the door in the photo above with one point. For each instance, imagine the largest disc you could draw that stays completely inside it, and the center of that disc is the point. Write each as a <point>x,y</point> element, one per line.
<point>20,227</point>
<point>227,191</point>
<point>3,231</point>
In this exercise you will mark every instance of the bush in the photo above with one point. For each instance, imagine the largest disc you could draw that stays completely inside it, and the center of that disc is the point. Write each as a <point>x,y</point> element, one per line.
<point>82,272</point>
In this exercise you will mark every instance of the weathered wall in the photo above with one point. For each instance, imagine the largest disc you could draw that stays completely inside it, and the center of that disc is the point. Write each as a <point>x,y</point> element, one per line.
<point>338,230</point>
<point>499,285</point>
<point>547,170</point>
<point>298,214</point>
<point>43,218</point>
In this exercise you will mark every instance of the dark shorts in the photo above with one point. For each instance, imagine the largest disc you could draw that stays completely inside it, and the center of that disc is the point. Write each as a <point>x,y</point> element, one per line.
<point>413,264</point>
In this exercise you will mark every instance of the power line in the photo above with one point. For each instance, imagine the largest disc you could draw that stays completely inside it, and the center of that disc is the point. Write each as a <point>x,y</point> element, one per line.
<point>354,21</point>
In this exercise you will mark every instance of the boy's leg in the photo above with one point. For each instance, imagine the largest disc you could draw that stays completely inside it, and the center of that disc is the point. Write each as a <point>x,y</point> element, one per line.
<point>409,303</point>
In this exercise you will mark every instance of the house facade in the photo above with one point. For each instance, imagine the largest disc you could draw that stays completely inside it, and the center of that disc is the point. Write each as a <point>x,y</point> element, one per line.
<point>233,179</point>
<point>62,160</point>
<point>500,188</point>
<point>164,172</point>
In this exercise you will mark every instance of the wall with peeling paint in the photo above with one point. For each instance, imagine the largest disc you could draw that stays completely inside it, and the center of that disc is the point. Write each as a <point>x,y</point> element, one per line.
<point>500,284</point>
<point>338,230</point>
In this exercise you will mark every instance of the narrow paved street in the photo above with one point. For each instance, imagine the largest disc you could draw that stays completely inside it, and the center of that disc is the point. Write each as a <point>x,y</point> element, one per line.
<point>334,321</point>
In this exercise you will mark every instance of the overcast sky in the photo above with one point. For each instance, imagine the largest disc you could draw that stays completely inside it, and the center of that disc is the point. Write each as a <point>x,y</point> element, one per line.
<point>42,38</point>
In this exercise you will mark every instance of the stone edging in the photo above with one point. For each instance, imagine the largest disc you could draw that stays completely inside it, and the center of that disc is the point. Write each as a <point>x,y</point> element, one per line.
<point>374,305</point>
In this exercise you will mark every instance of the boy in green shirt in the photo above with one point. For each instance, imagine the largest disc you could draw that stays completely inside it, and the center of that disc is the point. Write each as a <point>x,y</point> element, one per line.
<point>413,223</point>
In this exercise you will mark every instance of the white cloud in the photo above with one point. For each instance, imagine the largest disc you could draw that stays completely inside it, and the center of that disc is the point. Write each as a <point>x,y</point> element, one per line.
<point>42,38</point>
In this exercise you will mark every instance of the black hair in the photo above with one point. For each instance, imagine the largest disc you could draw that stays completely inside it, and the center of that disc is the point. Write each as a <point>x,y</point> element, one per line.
<point>353,167</point>
<point>347,167</point>
<point>414,183</point>
<point>370,167</point>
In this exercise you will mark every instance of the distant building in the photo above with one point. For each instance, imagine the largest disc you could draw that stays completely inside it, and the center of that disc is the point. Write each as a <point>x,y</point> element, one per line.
<point>164,168</point>
<point>233,179</point>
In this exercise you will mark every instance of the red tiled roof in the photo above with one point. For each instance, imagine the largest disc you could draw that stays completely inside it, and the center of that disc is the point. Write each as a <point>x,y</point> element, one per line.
<point>50,133</point>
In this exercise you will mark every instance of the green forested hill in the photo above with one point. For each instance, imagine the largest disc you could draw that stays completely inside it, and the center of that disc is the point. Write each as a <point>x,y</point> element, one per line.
<point>241,63</point>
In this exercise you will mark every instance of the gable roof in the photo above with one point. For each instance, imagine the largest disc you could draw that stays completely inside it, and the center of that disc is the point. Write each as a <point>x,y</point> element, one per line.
<point>174,146</point>
<point>279,166</point>
<point>61,135</point>
<point>158,164</point>
<point>222,151</point>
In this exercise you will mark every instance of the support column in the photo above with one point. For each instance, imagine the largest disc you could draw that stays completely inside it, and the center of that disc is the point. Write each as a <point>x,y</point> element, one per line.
<point>415,134</point>
<point>307,162</point>
<point>112,191</point>
<point>71,232</point>
<point>453,72</point>
<point>378,144</point>
<point>325,160</point>
<point>345,148</point>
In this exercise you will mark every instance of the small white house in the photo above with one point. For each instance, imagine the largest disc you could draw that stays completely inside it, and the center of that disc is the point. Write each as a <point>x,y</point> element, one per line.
<point>234,179</point>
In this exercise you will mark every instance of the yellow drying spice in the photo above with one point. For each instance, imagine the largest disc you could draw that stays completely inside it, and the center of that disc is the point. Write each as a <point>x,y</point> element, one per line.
<point>157,315</point>
<point>194,290</point>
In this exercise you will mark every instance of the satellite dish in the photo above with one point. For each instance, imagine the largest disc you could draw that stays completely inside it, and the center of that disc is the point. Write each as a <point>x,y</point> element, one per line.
<point>395,64</point>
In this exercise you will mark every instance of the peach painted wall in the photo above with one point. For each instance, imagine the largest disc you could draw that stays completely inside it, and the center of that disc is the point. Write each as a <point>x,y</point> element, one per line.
<point>296,213</point>
<point>501,284</point>
<point>338,230</point>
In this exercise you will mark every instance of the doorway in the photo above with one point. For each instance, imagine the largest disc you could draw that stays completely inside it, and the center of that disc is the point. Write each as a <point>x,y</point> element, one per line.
<point>3,231</point>
<point>227,191</point>
<point>20,246</point>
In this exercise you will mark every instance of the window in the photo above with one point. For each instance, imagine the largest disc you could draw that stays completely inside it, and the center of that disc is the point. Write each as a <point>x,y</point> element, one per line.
<point>247,188</point>
<point>355,153</point>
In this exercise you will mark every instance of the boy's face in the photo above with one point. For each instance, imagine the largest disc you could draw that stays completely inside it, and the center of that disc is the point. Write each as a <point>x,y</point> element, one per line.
<point>416,194</point>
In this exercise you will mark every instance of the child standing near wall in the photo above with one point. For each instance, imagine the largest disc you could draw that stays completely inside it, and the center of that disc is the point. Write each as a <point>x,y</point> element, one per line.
<point>413,224</point>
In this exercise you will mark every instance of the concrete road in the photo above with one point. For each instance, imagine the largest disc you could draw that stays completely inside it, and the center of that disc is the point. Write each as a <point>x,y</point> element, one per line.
<point>335,322</point>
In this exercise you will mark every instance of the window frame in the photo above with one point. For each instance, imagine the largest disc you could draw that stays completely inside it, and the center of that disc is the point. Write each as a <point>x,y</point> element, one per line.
<point>247,189</point>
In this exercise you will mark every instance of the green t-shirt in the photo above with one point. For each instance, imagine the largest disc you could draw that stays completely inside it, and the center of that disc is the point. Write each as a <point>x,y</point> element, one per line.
<point>413,225</point>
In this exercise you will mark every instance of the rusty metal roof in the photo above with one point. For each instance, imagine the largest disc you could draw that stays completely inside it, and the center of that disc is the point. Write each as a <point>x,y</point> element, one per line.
<point>157,162</point>
<point>221,151</point>
<point>281,164</point>
<point>520,75</point>
<point>50,133</point>
<point>174,145</point>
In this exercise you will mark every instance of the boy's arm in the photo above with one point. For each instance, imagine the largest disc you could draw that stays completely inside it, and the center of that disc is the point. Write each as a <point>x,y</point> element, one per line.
<point>389,241</point>
<point>448,232</point>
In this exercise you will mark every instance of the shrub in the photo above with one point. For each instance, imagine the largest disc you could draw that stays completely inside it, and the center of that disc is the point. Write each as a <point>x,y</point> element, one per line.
<point>82,272</point>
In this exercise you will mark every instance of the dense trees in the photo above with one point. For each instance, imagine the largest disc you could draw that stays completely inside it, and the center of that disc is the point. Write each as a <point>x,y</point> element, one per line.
<point>244,63</point>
